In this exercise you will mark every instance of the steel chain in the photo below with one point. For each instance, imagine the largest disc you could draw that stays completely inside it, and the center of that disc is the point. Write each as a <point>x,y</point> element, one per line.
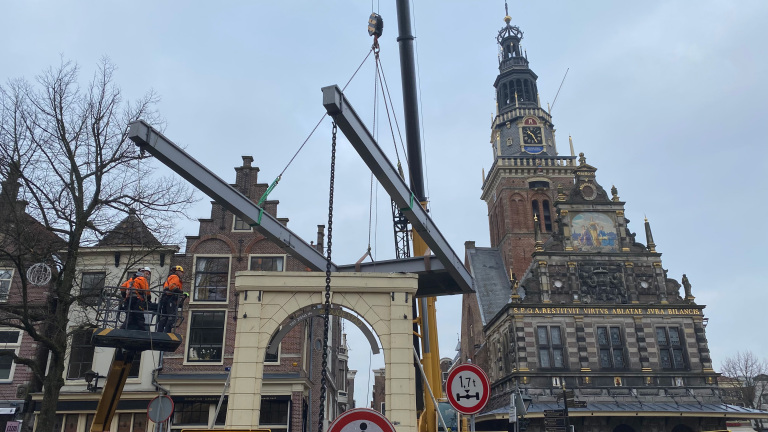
<point>326,315</point>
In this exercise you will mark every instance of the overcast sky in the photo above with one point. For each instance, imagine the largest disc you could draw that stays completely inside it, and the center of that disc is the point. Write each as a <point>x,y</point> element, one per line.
<point>666,98</point>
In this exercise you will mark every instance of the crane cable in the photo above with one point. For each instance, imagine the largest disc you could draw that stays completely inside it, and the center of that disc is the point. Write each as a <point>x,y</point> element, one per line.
<point>280,176</point>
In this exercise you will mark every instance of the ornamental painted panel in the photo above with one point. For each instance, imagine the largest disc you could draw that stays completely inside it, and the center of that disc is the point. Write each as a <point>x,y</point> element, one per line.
<point>593,232</point>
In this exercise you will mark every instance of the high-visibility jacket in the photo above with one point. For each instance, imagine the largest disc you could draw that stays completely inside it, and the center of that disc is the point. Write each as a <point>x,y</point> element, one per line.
<point>139,285</point>
<point>172,285</point>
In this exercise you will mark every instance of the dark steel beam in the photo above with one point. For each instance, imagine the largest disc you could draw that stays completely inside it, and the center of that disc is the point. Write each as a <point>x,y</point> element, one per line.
<point>361,139</point>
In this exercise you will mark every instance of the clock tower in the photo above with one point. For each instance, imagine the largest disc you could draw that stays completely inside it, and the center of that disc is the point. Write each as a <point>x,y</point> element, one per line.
<point>527,172</point>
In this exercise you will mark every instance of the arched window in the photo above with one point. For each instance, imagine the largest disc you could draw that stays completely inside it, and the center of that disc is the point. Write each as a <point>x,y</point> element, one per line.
<point>527,90</point>
<point>547,217</point>
<point>535,210</point>
<point>504,99</point>
<point>517,213</point>
<point>519,90</point>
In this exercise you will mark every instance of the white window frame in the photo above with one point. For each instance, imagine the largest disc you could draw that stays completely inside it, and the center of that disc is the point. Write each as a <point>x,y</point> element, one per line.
<point>287,418</point>
<point>193,291</point>
<point>11,346</point>
<point>189,339</point>
<point>235,218</point>
<point>284,256</point>
<point>68,358</point>
<point>82,285</point>
<point>11,271</point>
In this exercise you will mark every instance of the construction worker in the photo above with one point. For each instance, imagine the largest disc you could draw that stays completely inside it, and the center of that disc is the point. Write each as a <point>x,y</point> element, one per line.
<point>135,293</point>
<point>172,297</point>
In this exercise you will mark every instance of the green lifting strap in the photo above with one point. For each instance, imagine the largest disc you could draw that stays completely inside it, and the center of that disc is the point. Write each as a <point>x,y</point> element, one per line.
<point>264,198</point>
<point>410,206</point>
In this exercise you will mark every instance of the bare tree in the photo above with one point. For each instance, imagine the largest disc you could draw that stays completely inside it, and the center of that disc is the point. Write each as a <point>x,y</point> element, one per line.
<point>67,148</point>
<point>747,376</point>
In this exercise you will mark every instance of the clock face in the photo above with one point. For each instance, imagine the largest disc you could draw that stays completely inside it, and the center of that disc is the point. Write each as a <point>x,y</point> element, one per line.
<point>532,135</point>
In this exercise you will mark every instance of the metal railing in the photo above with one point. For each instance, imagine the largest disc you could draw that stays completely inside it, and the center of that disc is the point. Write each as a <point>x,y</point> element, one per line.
<point>115,306</point>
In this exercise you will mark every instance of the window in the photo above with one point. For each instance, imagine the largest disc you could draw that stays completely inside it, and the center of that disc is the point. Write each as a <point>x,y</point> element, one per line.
<point>267,263</point>
<point>6,275</point>
<point>135,366</point>
<point>273,358</point>
<point>70,423</point>
<point>550,348</point>
<point>211,278</point>
<point>670,348</point>
<point>547,217</point>
<point>91,287</point>
<point>10,341</point>
<point>191,413</point>
<point>80,354</point>
<point>240,225</point>
<point>206,336</point>
<point>611,346</point>
<point>275,413</point>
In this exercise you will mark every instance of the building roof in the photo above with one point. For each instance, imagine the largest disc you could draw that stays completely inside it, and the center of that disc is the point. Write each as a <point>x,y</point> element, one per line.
<point>131,231</point>
<point>619,408</point>
<point>491,281</point>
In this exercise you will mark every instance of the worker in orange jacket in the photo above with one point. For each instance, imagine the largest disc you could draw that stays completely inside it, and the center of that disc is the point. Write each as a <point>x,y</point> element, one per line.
<point>172,297</point>
<point>135,293</point>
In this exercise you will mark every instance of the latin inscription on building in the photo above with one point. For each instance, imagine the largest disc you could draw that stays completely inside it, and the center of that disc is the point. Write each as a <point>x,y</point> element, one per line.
<point>605,311</point>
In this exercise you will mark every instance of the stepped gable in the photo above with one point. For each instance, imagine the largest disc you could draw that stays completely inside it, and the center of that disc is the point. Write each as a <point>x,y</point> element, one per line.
<point>131,231</point>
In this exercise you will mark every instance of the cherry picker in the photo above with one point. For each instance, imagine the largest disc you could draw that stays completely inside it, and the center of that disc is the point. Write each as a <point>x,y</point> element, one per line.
<point>128,343</point>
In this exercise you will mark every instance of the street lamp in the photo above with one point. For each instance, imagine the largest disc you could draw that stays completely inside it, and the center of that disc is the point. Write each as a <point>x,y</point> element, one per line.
<point>92,379</point>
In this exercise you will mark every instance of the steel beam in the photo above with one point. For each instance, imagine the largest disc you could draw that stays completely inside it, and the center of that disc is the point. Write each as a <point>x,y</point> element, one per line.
<point>149,139</point>
<point>361,139</point>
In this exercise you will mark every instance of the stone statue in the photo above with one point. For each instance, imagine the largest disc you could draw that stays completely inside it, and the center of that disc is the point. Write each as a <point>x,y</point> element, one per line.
<point>687,287</point>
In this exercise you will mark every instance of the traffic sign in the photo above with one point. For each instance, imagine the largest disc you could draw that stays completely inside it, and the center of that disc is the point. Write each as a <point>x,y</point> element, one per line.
<point>160,408</point>
<point>555,422</point>
<point>554,413</point>
<point>554,429</point>
<point>468,388</point>
<point>361,420</point>
<point>577,404</point>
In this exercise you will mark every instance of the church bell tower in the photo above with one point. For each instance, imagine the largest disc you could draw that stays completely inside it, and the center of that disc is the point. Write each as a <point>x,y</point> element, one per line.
<point>522,185</point>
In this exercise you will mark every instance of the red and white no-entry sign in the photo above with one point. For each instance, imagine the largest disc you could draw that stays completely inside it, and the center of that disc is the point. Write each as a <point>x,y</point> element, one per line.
<point>361,420</point>
<point>468,388</point>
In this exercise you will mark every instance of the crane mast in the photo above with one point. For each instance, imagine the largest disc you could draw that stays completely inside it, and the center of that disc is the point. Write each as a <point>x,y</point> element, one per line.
<point>426,307</point>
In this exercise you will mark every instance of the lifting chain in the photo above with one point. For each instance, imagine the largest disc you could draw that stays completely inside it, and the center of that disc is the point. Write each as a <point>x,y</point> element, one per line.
<point>324,374</point>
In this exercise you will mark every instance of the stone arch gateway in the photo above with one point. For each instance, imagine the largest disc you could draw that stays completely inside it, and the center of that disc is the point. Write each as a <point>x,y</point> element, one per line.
<point>266,299</point>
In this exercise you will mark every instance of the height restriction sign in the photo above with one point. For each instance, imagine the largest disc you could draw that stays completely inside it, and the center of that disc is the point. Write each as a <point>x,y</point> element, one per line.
<point>468,389</point>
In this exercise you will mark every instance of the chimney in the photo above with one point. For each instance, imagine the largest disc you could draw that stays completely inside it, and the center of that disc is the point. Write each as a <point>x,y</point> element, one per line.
<point>320,238</point>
